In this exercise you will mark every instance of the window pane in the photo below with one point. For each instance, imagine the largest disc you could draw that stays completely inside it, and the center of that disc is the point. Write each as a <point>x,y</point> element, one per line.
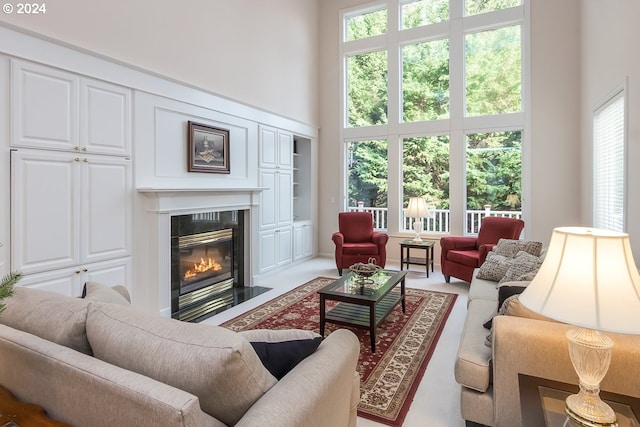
<point>425,173</point>
<point>608,165</point>
<point>474,7</point>
<point>367,25</point>
<point>367,89</point>
<point>493,176</point>
<point>493,72</point>
<point>425,81</point>
<point>423,12</point>
<point>367,186</point>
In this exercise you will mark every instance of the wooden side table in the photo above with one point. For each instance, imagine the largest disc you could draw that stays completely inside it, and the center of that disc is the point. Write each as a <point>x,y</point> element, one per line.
<point>18,414</point>
<point>406,258</point>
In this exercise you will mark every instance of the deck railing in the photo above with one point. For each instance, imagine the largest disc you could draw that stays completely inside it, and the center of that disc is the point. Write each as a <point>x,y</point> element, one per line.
<point>437,222</point>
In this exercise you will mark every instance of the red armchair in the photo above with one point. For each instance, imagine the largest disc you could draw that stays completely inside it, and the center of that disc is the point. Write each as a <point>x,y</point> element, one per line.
<point>357,242</point>
<point>461,255</point>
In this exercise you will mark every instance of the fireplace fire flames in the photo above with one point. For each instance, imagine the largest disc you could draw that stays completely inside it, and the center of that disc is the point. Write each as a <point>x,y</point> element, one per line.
<point>202,267</point>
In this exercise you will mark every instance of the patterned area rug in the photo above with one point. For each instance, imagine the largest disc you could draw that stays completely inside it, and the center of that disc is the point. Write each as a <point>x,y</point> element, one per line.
<point>405,342</point>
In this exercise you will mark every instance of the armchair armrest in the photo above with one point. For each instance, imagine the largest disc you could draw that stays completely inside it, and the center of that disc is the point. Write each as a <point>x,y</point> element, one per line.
<point>454,242</point>
<point>483,250</point>
<point>338,239</point>
<point>379,239</point>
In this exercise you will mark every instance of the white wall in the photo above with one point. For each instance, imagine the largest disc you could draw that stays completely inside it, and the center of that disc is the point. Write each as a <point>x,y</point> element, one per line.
<point>551,169</point>
<point>262,53</point>
<point>552,161</point>
<point>610,35</point>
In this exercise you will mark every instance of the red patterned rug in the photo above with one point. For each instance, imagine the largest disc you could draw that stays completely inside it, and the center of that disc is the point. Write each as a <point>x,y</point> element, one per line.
<point>405,342</point>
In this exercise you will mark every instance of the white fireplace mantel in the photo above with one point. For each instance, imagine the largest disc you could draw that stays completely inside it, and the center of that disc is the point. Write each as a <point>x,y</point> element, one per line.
<point>162,203</point>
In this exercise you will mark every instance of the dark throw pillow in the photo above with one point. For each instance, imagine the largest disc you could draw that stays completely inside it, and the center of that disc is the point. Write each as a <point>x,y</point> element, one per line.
<point>504,292</point>
<point>281,357</point>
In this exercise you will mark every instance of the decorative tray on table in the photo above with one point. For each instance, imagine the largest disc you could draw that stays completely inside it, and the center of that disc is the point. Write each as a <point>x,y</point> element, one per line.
<point>364,271</point>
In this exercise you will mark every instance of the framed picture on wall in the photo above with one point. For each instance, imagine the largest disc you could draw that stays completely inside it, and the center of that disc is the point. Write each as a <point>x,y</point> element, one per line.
<point>208,149</point>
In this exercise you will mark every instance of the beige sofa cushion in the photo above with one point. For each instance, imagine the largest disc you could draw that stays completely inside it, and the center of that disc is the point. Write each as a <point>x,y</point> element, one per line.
<point>97,292</point>
<point>473,362</point>
<point>215,364</point>
<point>49,315</point>
<point>482,289</point>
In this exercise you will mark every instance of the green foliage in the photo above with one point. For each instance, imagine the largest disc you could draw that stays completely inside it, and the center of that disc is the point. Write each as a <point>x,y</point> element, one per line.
<point>425,170</point>
<point>425,85</point>
<point>368,173</point>
<point>494,170</point>
<point>367,89</point>
<point>367,25</point>
<point>424,12</point>
<point>493,70</point>
<point>474,7</point>
<point>6,286</point>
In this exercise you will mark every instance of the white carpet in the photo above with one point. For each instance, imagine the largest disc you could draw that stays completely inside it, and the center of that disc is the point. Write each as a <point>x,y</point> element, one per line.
<point>437,401</point>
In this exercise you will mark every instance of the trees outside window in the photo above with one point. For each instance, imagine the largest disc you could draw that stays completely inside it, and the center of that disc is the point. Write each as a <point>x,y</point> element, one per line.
<point>430,83</point>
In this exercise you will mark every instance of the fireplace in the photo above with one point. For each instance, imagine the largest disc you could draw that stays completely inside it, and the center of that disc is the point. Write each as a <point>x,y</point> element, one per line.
<point>207,263</point>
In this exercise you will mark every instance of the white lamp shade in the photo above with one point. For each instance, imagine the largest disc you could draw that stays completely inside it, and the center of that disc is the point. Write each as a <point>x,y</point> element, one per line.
<point>417,208</point>
<point>588,279</point>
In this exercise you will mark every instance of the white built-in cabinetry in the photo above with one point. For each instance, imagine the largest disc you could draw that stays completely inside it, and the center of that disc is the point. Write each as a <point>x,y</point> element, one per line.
<point>71,185</point>
<point>285,229</point>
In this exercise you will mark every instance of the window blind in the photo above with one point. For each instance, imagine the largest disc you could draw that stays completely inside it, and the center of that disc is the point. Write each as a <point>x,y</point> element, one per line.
<point>608,167</point>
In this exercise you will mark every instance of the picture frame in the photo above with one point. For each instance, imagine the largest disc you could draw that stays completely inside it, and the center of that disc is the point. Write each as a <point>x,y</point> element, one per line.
<point>208,149</point>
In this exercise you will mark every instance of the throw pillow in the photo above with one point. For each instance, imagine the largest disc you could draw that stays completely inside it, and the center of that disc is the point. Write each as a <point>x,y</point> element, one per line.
<point>494,267</point>
<point>505,292</point>
<point>510,248</point>
<point>49,315</point>
<point>523,267</point>
<point>97,292</point>
<point>213,363</point>
<point>281,357</point>
<point>280,350</point>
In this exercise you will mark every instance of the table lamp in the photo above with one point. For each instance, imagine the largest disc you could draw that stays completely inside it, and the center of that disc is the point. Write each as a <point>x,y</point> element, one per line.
<point>417,209</point>
<point>588,279</point>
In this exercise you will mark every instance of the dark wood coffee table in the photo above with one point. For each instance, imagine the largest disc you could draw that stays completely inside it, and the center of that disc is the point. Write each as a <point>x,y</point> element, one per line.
<point>362,305</point>
<point>15,413</point>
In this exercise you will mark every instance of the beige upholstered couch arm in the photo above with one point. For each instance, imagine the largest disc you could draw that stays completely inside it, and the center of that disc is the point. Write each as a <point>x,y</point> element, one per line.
<point>539,348</point>
<point>320,391</point>
<point>83,391</point>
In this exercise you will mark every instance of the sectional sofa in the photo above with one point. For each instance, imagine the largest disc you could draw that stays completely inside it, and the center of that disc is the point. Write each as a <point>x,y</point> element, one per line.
<point>98,362</point>
<point>491,362</point>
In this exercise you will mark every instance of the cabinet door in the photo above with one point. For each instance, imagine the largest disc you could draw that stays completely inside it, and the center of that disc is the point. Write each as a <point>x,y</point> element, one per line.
<point>105,125</point>
<point>285,197</point>
<point>285,243</point>
<point>268,246</point>
<point>285,150</point>
<point>268,198</point>
<point>65,281</point>
<point>268,147</point>
<point>106,208</point>
<point>45,220</point>
<point>297,242</point>
<point>307,240</point>
<point>110,273</point>
<point>70,281</point>
<point>44,107</point>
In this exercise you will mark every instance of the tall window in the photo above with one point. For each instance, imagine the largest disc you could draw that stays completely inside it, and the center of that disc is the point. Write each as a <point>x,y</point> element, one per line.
<point>367,179</point>
<point>439,81</point>
<point>609,163</point>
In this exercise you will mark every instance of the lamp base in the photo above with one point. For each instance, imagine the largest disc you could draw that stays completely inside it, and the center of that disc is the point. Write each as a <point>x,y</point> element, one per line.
<point>590,353</point>
<point>417,228</point>
<point>577,420</point>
